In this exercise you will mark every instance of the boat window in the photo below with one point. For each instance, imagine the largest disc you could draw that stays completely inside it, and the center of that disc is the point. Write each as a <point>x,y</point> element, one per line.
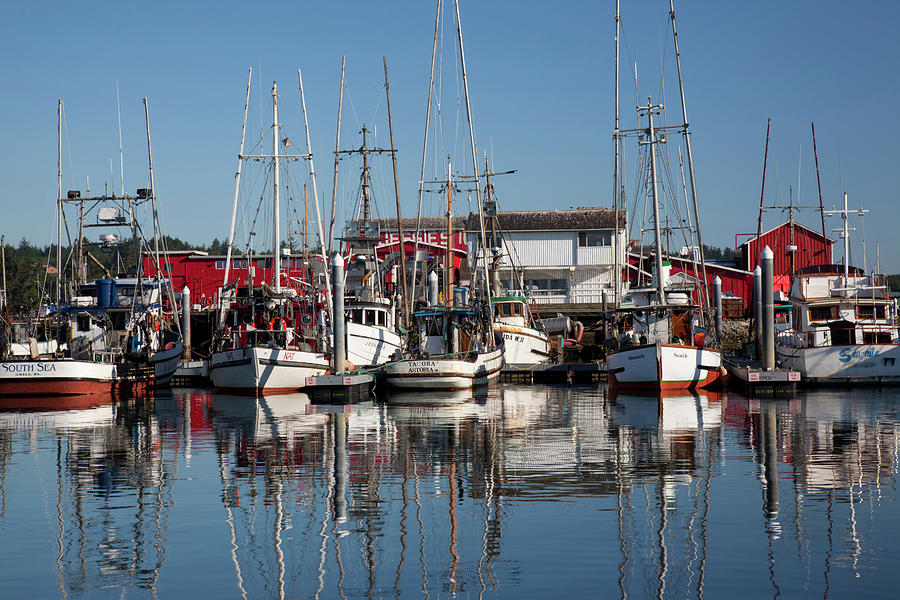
<point>842,334</point>
<point>369,316</point>
<point>823,313</point>
<point>876,337</point>
<point>518,310</point>
<point>870,311</point>
<point>84,322</point>
<point>381,318</point>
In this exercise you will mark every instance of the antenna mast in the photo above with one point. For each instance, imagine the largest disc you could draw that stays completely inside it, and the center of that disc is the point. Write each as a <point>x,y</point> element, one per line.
<point>660,284</point>
<point>616,142</point>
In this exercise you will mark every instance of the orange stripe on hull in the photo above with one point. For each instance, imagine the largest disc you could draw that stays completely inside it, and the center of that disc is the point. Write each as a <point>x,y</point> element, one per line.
<point>713,377</point>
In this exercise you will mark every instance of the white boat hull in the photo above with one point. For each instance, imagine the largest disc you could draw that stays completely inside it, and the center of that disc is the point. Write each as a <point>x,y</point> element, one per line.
<point>264,370</point>
<point>865,363</point>
<point>445,373</point>
<point>524,346</point>
<point>370,346</point>
<point>57,377</point>
<point>657,367</point>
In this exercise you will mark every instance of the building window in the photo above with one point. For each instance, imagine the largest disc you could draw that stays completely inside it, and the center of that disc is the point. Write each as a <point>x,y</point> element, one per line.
<point>547,284</point>
<point>220,265</point>
<point>594,238</point>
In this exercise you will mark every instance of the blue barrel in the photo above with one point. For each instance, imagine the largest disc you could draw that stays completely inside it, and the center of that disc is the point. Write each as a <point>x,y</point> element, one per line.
<point>106,292</point>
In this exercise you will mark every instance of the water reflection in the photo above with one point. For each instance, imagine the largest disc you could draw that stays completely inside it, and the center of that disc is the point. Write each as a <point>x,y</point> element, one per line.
<point>451,494</point>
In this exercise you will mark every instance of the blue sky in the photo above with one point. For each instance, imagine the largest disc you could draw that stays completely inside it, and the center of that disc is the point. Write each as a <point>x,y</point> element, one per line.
<point>540,77</point>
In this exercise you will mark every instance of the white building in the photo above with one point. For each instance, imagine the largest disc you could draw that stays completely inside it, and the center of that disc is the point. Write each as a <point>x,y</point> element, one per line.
<point>560,256</point>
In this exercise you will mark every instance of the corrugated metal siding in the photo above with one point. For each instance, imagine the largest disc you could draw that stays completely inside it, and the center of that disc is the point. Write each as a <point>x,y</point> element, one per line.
<point>542,248</point>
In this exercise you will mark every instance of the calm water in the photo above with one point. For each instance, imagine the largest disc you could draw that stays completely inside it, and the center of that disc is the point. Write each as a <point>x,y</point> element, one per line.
<point>530,491</point>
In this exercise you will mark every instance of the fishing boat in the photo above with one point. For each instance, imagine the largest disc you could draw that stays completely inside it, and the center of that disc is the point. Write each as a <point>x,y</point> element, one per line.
<point>525,344</point>
<point>454,344</point>
<point>273,351</point>
<point>662,341</point>
<point>842,327</point>
<point>111,334</point>
<point>457,345</point>
<point>371,317</point>
<point>663,345</point>
<point>525,339</point>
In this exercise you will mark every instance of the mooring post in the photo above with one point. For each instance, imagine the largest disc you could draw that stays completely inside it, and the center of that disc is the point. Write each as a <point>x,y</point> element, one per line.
<point>186,321</point>
<point>757,310</point>
<point>717,298</point>
<point>340,341</point>
<point>767,258</point>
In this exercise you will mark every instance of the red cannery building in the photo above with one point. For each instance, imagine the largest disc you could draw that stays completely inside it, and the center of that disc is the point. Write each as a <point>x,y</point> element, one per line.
<point>794,246</point>
<point>204,274</point>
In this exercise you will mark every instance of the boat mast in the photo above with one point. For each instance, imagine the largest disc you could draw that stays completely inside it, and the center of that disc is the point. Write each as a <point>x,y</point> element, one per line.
<point>660,284</point>
<point>462,60</point>
<point>276,222</point>
<point>704,296</point>
<point>405,304</point>
<point>818,181</point>
<point>237,187</point>
<point>59,108</point>
<point>762,194</point>
<point>337,156</point>
<point>448,260</point>
<point>437,28</point>
<point>616,142</point>
<point>312,176</point>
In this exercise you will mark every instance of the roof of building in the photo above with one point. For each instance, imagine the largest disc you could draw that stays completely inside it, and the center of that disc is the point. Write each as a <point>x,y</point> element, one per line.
<point>813,232</point>
<point>427,223</point>
<point>580,219</point>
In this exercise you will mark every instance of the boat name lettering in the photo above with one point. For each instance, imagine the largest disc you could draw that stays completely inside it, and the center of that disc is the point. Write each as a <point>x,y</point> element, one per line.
<point>423,370</point>
<point>635,356</point>
<point>677,355</point>
<point>847,354</point>
<point>29,368</point>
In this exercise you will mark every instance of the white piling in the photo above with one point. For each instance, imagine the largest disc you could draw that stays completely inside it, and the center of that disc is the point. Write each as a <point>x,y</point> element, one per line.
<point>339,327</point>
<point>767,258</point>
<point>186,321</point>
<point>717,296</point>
<point>432,289</point>
<point>757,310</point>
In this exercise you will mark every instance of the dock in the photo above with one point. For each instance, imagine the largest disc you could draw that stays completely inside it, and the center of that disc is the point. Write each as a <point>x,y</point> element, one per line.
<point>339,389</point>
<point>748,377</point>
<point>592,372</point>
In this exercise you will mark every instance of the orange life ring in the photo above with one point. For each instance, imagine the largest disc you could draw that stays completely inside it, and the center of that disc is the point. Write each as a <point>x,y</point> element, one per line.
<point>154,322</point>
<point>277,323</point>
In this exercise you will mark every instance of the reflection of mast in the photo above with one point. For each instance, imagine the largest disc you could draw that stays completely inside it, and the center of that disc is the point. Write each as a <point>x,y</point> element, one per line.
<point>452,478</point>
<point>229,518</point>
